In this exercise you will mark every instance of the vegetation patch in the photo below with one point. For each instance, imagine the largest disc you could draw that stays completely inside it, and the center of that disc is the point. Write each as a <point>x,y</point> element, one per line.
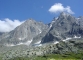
<point>66,56</point>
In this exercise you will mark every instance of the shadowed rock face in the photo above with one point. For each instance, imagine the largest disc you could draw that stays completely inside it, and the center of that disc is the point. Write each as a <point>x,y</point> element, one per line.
<point>65,26</point>
<point>1,33</point>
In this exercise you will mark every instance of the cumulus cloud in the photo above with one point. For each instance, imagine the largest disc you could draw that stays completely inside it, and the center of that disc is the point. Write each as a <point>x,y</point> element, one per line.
<point>7,25</point>
<point>58,7</point>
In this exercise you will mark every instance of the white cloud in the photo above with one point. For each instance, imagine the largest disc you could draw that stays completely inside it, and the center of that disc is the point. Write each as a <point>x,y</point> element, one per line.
<point>58,7</point>
<point>7,25</point>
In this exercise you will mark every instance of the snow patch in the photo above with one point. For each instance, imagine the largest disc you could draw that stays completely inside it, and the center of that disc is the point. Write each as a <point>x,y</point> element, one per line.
<point>53,21</point>
<point>77,37</point>
<point>56,18</point>
<point>10,45</point>
<point>71,38</point>
<point>56,42</point>
<point>38,42</point>
<point>40,31</point>
<point>20,43</point>
<point>67,39</point>
<point>28,42</point>
<point>37,45</point>
<point>78,18</point>
<point>20,38</point>
<point>40,45</point>
<point>50,25</point>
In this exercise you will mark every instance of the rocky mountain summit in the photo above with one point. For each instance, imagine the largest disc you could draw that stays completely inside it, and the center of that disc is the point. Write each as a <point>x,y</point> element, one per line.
<point>32,33</point>
<point>64,27</point>
<point>63,35</point>
<point>23,34</point>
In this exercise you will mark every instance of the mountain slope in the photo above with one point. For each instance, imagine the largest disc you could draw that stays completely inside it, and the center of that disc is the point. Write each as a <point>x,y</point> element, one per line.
<point>64,27</point>
<point>32,33</point>
<point>63,35</point>
<point>23,33</point>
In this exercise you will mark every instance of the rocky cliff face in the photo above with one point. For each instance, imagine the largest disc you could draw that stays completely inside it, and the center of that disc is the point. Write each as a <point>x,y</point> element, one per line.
<point>63,34</point>
<point>64,27</point>
<point>80,21</point>
<point>24,33</point>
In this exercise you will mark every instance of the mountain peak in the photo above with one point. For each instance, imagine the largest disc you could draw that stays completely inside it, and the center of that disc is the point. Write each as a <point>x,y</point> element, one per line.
<point>30,20</point>
<point>60,28</point>
<point>64,14</point>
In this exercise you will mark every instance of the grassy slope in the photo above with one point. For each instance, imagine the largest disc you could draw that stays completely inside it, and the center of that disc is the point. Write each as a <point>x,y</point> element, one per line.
<point>66,56</point>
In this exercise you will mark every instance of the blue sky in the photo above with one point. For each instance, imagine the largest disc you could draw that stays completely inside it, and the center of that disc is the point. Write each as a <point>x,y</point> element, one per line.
<point>37,9</point>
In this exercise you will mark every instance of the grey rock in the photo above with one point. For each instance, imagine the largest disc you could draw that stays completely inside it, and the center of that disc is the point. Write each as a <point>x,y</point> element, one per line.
<point>23,33</point>
<point>59,29</point>
<point>65,26</point>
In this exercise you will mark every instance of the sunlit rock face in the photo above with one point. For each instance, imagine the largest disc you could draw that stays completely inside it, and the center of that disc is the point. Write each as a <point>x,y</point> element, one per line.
<point>31,33</point>
<point>65,26</point>
<point>24,33</point>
